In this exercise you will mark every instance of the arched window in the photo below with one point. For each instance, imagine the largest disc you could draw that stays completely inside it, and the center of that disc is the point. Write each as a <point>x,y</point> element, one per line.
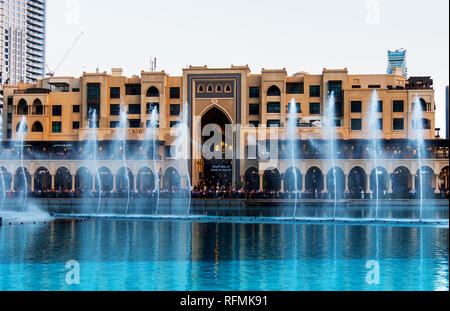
<point>152,92</point>
<point>209,89</point>
<point>37,127</point>
<point>218,88</point>
<point>22,107</point>
<point>201,88</point>
<point>38,108</point>
<point>228,88</point>
<point>273,91</point>
<point>25,127</point>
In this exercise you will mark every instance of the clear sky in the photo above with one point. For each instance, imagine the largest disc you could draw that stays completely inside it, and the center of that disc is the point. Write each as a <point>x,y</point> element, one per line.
<point>297,35</point>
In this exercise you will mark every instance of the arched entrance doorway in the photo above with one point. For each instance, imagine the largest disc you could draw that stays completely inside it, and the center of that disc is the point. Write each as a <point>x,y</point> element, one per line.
<point>217,169</point>
<point>5,180</point>
<point>172,180</point>
<point>63,179</point>
<point>124,182</point>
<point>357,181</point>
<point>272,180</point>
<point>42,180</point>
<point>145,180</point>
<point>314,180</point>
<point>339,187</point>
<point>252,179</point>
<point>401,182</point>
<point>444,179</point>
<point>106,180</point>
<point>19,180</point>
<point>381,175</point>
<point>425,183</point>
<point>293,180</point>
<point>83,180</point>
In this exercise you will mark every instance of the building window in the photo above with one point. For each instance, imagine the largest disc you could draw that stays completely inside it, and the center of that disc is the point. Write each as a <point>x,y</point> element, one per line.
<point>174,92</point>
<point>218,88</point>
<point>254,92</point>
<point>398,106</point>
<point>314,91</point>
<point>314,108</point>
<point>56,127</point>
<point>174,110</point>
<point>134,124</point>
<point>151,106</point>
<point>380,106</point>
<point>356,86</point>
<point>209,89</point>
<point>356,106</point>
<point>254,109</point>
<point>356,124</point>
<point>273,107</point>
<point>295,88</point>
<point>76,90</point>
<point>273,91</point>
<point>133,89</point>
<point>273,123</point>
<point>57,111</point>
<point>114,110</point>
<point>94,124</point>
<point>149,124</point>
<point>399,124</point>
<point>76,125</point>
<point>93,90</point>
<point>152,92</point>
<point>201,89</point>
<point>228,88</point>
<point>298,108</point>
<point>134,109</point>
<point>76,108</point>
<point>374,86</point>
<point>174,123</point>
<point>380,124</point>
<point>254,123</point>
<point>114,92</point>
<point>114,124</point>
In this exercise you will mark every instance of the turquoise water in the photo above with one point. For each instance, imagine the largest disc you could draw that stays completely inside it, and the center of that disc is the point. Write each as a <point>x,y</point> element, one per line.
<point>174,256</point>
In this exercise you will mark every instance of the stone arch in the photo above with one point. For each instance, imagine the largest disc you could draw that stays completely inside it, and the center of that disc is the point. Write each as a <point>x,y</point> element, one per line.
<point>122,182</point>
<point>272,180</point>
<point>63,179</point>
<point>357,180</point>
<point>273,91</point>
<point>172,179</point>
<point>25,126</point>
<point>153,92</point>
<point>5,180</point>
<point>38,108</point>
<point>427,174</point>
<point>212,106</point>
<point>444,178</point>
<point>381,175</point>
<point>83,180</point>
<point>22,107</point>
<point>314,180</point>
<point>42,179</point>
<point>292,175</point>
<point>145,180</point>
<point>106,180</point>
<point>252,182</point>
<point>401,181</point>
<point>340,180</point>
<point>19,180</point>
<point>37,127</point>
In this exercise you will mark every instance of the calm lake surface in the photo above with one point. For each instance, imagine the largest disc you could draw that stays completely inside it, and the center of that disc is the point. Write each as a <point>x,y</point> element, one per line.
<point>178,256</point>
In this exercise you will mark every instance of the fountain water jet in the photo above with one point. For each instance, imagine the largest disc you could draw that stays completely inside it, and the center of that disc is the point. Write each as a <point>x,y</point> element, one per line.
<point>329,126</point>
<point>21,133</point>
<point>292,138</point>
<point>374,130</point>
<point>2,177</point>
<point>123,138</point>
<point>151,134</point>
<point>93,142</point>
<point>418,134</point>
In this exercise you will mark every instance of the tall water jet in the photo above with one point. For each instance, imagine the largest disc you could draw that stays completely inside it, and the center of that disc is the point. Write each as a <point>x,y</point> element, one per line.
<point>374,129</point>
<point>21,133</point>
<point>93,142</point>
<point>418,135</point>
<point>151,137</point>
<point>329,126</point>
<point>122,137</point>
<point>292,138</point>
<point>182,154</point>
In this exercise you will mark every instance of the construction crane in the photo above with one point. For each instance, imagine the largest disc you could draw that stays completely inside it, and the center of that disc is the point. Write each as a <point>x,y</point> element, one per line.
<point>52,73</point>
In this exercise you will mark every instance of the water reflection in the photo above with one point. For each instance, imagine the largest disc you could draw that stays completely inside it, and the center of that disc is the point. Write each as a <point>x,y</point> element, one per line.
<point>146,255</point>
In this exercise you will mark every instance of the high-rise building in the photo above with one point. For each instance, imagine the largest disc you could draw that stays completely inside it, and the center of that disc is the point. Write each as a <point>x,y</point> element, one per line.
<point>22,41</point>
<point>397,59</point>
